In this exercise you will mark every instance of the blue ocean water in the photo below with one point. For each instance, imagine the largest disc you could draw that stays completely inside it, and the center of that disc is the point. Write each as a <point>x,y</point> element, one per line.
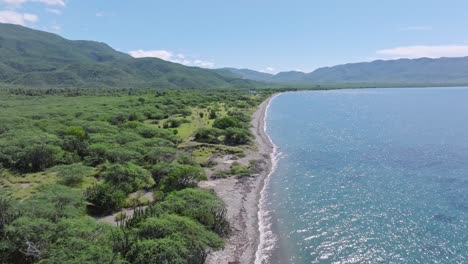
<point>370,176</point>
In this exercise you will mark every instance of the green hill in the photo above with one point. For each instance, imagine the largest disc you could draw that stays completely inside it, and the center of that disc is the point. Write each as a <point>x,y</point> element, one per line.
<point>250,74</point>
<point>39,59</point>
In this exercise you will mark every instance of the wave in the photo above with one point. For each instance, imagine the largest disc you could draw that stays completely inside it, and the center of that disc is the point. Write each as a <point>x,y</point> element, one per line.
<point>267,239</point>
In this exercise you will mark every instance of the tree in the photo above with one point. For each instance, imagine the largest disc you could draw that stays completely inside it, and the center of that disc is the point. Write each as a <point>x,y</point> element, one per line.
<point>200,205</point>
<point>77,132</point>
<point>104,198</point>
<point>54,202</point>
<point>162,170</point>
<point>159,154</point>
<point>212,114</point>
<point>208,135</point>
<point>164,251</point>
<point>236,136</point>
<point>127,177</point>
<point>30,238</point>
<point>38,158</point>
<point>226,122</point>
<point>196,234</point>
<point>82,241</point>
<point>184,176</point>
<point>74,174</point>
<point>195,237</point>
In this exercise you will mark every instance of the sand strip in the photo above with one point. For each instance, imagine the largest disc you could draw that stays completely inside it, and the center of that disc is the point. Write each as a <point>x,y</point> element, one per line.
<point>242,199</point>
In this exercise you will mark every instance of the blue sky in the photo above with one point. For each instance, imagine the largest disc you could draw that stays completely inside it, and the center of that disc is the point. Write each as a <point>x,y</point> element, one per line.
<point>263,35</point>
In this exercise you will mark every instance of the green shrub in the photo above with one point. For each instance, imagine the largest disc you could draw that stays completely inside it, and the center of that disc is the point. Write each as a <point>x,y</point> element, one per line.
<point>226,122</point>
<point>165,250</point>
<point>159,154</point>
<point>75,145</point>
<point>183,176</point>
<point>73,174</point>
<point>38,158</point>
<point>127,177</point>
<point>236,136</point>
<point>200,205</point>
<point>208,135</point>
<point>77,132</point>
<point>54,202</point>
<point>104,198</point>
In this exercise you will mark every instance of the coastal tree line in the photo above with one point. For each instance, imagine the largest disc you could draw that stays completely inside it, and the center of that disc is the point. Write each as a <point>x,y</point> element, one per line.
<point>67,160</point>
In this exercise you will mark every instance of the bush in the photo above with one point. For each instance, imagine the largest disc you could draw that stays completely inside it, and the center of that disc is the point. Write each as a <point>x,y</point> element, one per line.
<point>30,238</point>
<point>38,158</point>
<point>183,176</point>
<point>159,154</point>
<point>173,123</point>
<point>127,177</point>
<point>104,198</point>
<point>208,135</point>
<point>200,205</point>
<point>162,170</point>
<point>75,145</point>
<point>239,115</point>
<point>118,119</point>
<point>82,241</point>
<point>195,238</point>
<point>74,174</point>
<point>226,122</point>
<point>212,114</point>
<point>155,115</point>
<point>165,250</point>
<point>236,136</point>
<point>197,235</point>
<point>77,132</point>
<point>121,154</point>
<point>150,132</point>
<point>54,202</point>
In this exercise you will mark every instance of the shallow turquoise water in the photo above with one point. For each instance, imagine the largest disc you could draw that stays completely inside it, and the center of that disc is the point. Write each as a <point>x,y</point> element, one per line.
<point>370,176</point>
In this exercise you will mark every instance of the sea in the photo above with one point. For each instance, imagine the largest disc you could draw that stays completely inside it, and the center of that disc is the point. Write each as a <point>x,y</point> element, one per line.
<point>367,176</point>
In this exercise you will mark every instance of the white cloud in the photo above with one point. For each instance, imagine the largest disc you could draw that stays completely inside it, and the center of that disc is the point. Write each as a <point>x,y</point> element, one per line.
<point>417,28</point>
<point>13,17</point>
<point>17,3</point>
<point>53,29</point>
<point>162,54</point>
<point>268,70</point>
<point>51,2</point>
<point>170,56</point>
<point>420,51</point>
<point>201,63</point>
<point>53,11</point>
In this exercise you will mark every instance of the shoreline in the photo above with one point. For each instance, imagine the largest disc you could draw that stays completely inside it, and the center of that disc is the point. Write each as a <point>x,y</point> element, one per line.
<point>242,197</point>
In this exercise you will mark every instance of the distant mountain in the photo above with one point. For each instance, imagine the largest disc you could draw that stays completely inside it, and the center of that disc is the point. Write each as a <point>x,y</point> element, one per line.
<point>39,59</point>
<point>250,74</point>
<point>402,71</point>
<point>290,76</point>
<point>424,70</point>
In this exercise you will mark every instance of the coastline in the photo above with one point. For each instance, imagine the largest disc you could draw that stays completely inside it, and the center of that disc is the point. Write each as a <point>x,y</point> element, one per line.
<point>242,197</point>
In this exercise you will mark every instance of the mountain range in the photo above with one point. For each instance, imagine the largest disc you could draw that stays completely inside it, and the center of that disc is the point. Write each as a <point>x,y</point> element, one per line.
<point>33,58</point>
<point>410,71</point>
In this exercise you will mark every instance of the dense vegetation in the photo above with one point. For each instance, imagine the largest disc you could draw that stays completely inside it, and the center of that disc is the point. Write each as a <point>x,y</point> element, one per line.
<point>37,59</point>
<point>68,163</point>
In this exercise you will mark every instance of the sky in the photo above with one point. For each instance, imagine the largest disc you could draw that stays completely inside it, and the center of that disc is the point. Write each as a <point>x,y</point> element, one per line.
<point>269,36</point>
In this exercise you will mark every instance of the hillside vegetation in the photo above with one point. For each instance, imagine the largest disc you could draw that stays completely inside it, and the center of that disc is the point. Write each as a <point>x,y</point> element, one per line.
<point>37,59</point>
<point>113,179</point>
